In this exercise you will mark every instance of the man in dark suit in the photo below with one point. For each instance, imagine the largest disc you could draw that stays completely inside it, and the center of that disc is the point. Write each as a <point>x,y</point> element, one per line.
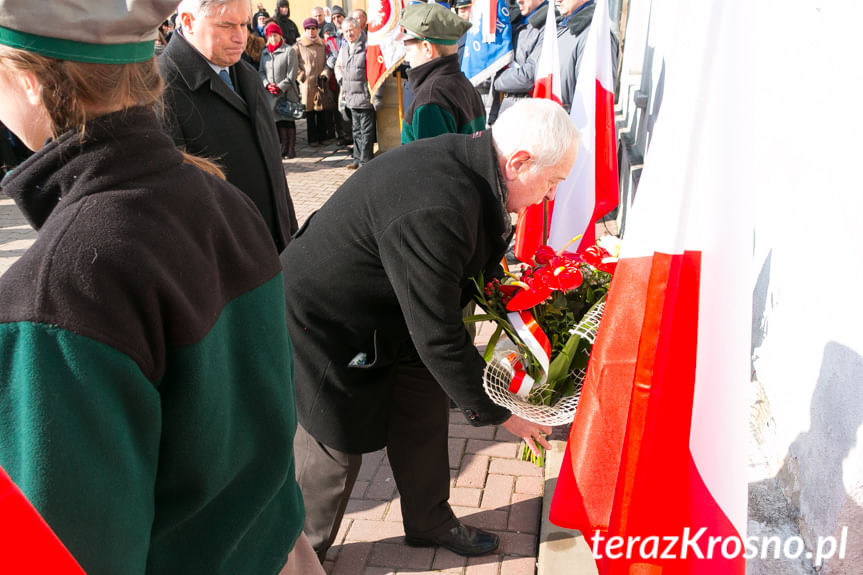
<point>216,107</point>
<point>379,276</point>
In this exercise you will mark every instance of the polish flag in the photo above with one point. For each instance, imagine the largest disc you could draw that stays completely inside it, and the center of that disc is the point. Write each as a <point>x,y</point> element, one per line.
<point>591,190</point>
<point>547,83</point>
<point>383,52</point>
<point>657,446</point>
<point>27,544</point>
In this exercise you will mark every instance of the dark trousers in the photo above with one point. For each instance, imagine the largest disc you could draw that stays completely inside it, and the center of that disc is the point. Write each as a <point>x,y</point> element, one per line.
<point>315,126</point>
<point>363,122</point>
<point>417,451</point>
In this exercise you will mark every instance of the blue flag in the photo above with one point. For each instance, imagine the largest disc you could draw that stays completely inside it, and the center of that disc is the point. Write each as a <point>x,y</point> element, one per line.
<point>485,54</point>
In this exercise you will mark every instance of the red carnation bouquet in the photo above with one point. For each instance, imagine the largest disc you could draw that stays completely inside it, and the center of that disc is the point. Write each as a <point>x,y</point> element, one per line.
<point>549,309</point>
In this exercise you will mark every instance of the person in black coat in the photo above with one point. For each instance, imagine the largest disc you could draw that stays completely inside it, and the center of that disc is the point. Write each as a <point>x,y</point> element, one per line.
<point>290,32</point>
<point>230,123</point>
<point>378,279</point>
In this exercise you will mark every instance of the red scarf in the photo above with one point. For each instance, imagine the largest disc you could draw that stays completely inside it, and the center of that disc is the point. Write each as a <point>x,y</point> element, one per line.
<point>273,47</point>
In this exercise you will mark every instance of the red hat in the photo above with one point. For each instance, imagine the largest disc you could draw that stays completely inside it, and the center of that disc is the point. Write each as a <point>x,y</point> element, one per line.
<point>272,28</point>
<point>310,23</point>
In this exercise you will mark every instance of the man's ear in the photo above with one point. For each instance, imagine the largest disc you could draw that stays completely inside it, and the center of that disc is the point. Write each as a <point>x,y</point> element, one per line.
<point>517,163</point>
<point>187,19</point>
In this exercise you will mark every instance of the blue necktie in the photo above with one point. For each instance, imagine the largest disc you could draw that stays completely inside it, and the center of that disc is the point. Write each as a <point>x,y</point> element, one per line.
<point>223,74</point>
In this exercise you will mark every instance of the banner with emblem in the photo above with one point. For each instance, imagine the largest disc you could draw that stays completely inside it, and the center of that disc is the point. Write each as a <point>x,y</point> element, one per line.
<point>488,47</point>
<point>383,52</point>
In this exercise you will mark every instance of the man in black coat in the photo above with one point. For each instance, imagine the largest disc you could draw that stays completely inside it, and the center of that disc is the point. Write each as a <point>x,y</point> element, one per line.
<point>378,279</point>
<point>216,107</point>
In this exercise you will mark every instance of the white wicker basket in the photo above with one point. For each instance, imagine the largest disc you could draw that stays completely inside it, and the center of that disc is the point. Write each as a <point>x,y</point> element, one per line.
<point>499,373</point>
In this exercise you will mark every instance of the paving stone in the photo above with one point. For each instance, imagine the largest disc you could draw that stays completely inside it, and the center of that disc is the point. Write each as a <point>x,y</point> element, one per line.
<point>352,558</point>
<point>359,490</point>
<point>514,467</point>
<point>522,544</point>
<point>367,530</point>
<point>365,509</point>
<point>394,513</point>
<point>489,519</point>
<point>497,492</point>
<point>471,432</point>
<point>401,556</point>
<point>456,447</point>
<point>445,559</point>
<point>465,496</point>
<point>378,571</point>
<point>383,485</point>
<point>371,462</point>
<point>529,485</point>
<point>492,448</point>
<point>473,471</point>
<point>487,565</point>
<point>518,566</point>
<point>524,513</point>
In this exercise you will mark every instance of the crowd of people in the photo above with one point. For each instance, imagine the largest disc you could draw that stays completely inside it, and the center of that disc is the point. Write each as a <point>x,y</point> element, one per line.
<point>188,380</point>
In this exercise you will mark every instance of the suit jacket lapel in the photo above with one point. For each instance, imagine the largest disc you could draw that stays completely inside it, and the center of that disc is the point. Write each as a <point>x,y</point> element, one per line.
<point>218,86</point>
<point>246,81</point>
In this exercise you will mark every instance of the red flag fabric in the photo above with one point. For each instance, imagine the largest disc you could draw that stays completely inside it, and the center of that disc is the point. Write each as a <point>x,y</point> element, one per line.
<point>657,447</point>
<point>383,52</point>
<point>27,544</point>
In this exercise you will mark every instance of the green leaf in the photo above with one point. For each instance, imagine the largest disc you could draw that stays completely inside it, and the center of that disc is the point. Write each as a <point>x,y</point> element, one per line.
<point>560,366</point>
<point>492,342</point>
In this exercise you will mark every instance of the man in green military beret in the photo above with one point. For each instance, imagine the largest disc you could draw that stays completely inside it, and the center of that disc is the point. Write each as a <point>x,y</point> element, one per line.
<point>444,100</point>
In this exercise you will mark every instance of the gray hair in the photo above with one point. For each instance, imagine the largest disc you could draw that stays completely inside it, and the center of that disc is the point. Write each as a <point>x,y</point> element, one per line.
<point>538,126</point>
<point>317,9</point>
<point>350,20</point>
<point>199,8</point>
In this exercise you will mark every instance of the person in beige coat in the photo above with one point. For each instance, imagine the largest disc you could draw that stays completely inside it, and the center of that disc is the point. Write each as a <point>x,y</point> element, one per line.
<point>313,76</point>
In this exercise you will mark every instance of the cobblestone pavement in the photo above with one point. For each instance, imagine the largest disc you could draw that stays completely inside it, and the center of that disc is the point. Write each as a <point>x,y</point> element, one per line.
<point>491,488</point>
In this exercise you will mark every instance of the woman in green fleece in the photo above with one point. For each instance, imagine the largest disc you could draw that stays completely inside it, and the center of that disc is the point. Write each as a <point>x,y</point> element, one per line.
<point>146,392</point>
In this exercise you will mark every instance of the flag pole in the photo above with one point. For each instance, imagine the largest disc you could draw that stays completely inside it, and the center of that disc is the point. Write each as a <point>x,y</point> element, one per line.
<point>401,103</point>
<point>545,222</point>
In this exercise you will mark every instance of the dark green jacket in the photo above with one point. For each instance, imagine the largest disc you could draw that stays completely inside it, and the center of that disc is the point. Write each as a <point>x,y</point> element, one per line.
<point>146,401</point>
<point>445,102</point>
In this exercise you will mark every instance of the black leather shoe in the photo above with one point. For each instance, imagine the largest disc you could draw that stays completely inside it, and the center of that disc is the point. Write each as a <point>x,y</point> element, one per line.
<point>461,539</point>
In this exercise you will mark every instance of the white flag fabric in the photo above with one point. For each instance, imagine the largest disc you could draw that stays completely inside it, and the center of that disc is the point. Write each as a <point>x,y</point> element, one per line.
<point>591,190</point>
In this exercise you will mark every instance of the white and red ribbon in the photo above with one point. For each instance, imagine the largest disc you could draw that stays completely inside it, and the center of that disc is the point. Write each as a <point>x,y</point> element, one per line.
<point>537,342</point>
<point>521,383</point>
<point>532,335</point>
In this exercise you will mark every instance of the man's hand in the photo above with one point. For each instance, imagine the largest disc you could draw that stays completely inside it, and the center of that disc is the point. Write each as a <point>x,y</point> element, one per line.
<point>532,433</point>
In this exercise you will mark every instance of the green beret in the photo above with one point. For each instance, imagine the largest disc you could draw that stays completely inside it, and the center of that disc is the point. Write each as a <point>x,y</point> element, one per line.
<point>98,31</point>
<point>432,22</point>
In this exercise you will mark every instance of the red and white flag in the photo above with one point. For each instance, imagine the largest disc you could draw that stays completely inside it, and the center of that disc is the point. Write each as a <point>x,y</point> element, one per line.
<point>547,83</point>
<point>657,447</point>
<point>27,544</point>
<point>383,52</point>
<point>591,190</point>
